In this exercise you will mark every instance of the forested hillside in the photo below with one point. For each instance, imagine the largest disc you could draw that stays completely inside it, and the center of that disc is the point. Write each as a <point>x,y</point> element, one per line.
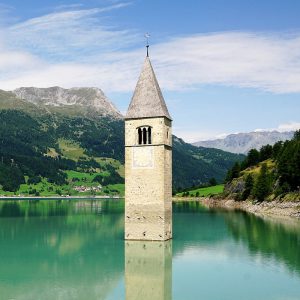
<point>47,150</point>
<point>273,171</point>
<point>193,166</point>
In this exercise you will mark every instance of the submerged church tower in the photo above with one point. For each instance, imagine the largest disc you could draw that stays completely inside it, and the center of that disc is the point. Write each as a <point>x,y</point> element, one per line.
<point>148,162</point>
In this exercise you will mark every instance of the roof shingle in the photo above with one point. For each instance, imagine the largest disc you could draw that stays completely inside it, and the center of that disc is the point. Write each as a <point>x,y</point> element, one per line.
<point>147,100</point>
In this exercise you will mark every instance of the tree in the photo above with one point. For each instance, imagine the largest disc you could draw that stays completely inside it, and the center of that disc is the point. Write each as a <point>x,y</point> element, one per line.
<point>297,135</point>
<point>277,147</point>
<point>212,181</point>
<point>253,157</point>
<point>266,152</point>
<point>10,177</point>
<point>249,183</point>
<point>98,178</point>
<point>228,177</point>
<point>34,180</point>
<point>262,185</point>
<point>288,163</point>
<point>235,172</point>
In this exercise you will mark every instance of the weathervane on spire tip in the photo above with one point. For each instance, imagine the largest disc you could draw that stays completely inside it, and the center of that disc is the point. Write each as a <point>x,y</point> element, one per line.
<point>147,36</point>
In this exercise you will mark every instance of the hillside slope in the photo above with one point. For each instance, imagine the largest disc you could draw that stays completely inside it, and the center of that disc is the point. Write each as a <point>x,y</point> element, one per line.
<point>47,143</point>
<point>273,171</point>
<point>197,165</point>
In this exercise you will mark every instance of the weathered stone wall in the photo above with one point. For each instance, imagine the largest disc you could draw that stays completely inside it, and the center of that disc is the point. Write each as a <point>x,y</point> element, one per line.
<point>161,130</point>
<point>148,181</point>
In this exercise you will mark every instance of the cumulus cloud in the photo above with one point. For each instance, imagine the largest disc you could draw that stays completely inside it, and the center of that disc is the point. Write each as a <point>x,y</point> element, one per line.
<point>76,48</point>
<point>270,62</point>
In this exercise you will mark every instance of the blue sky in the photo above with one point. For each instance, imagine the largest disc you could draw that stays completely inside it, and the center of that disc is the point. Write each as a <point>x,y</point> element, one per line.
<point>224,66</point>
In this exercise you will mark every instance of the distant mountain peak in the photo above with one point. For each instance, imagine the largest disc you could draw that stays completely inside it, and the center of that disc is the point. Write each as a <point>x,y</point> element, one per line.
<point>86,97</point>
<point>243,142</point>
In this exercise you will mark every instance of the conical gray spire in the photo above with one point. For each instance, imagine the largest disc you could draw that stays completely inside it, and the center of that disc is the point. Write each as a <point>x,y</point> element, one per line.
<point>147,100</point>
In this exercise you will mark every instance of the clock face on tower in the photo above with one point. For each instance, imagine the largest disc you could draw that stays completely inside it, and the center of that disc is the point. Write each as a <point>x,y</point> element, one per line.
<point>142,157</point>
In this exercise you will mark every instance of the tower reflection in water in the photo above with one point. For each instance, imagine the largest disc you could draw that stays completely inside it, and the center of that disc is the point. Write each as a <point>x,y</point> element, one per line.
<point>148,270</point>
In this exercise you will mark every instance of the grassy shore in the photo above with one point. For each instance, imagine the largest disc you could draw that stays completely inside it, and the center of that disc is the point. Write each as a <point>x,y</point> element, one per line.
<point>203,192</point>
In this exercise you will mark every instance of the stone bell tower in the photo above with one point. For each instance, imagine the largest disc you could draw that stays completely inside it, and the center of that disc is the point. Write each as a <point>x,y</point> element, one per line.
<point>148,162</point>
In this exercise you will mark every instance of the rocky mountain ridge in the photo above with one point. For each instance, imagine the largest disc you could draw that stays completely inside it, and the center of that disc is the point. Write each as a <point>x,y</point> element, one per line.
<point>243,142</point>
<point>84,97</point>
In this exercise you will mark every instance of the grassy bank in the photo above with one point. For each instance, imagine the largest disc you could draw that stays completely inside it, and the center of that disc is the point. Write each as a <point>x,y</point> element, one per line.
<point>203,192</point>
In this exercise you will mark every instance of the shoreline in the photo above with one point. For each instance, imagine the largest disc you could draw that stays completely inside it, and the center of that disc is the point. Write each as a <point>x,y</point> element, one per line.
<point>57,197</point>
<point>271,209</point>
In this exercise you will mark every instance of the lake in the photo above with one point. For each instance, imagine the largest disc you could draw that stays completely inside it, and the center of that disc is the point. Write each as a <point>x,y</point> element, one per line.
<point>74,249</point>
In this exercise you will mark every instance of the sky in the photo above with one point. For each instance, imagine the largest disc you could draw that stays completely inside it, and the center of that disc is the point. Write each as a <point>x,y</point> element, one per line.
<point>224,66</point>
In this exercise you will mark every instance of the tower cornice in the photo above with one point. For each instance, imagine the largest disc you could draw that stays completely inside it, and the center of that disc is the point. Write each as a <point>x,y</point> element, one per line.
<point>128,119</point>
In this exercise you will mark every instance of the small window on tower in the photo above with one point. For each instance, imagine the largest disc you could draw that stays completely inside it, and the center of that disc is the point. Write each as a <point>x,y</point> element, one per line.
<point>140,136</point>
<point>149,135</point>
<point>144,135</point>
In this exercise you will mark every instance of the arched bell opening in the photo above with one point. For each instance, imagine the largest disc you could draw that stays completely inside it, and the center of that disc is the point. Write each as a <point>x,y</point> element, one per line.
<point>144,135</point>
<point>149,135</point>
<point>140,136</point>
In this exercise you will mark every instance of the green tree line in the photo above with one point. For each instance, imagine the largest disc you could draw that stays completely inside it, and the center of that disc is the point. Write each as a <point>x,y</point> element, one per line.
<point>283,179</point>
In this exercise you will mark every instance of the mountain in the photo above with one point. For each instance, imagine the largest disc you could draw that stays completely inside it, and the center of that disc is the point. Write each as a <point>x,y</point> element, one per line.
<point>63,144</point>
<point>243,142</point>
<point>86,98</point>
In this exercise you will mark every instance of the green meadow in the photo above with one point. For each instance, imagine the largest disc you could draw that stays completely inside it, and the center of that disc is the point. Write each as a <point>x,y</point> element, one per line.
<point>78,184</point>
<point>203,192</point>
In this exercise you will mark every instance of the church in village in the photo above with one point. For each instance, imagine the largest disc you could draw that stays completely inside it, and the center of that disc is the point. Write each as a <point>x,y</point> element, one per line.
<point>148,162</point>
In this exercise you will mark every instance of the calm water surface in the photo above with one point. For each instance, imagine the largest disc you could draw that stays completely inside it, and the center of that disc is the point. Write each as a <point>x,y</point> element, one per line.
<point>75,250</point>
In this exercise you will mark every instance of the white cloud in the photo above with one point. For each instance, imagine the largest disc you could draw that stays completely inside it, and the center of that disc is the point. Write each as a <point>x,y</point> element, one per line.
<point>68,35</point>
<point>107,77</point>
<point>76,48</point>
<point>290,126</point>
<point>264,61</point>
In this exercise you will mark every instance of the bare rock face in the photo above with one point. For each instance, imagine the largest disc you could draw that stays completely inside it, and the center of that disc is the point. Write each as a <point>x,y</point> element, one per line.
<point>91,98</point>
<point>236,186</point>
<point>243,142</point>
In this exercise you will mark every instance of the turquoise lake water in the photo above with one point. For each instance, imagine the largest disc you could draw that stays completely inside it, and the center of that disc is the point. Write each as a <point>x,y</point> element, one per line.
<point>62,249</point>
